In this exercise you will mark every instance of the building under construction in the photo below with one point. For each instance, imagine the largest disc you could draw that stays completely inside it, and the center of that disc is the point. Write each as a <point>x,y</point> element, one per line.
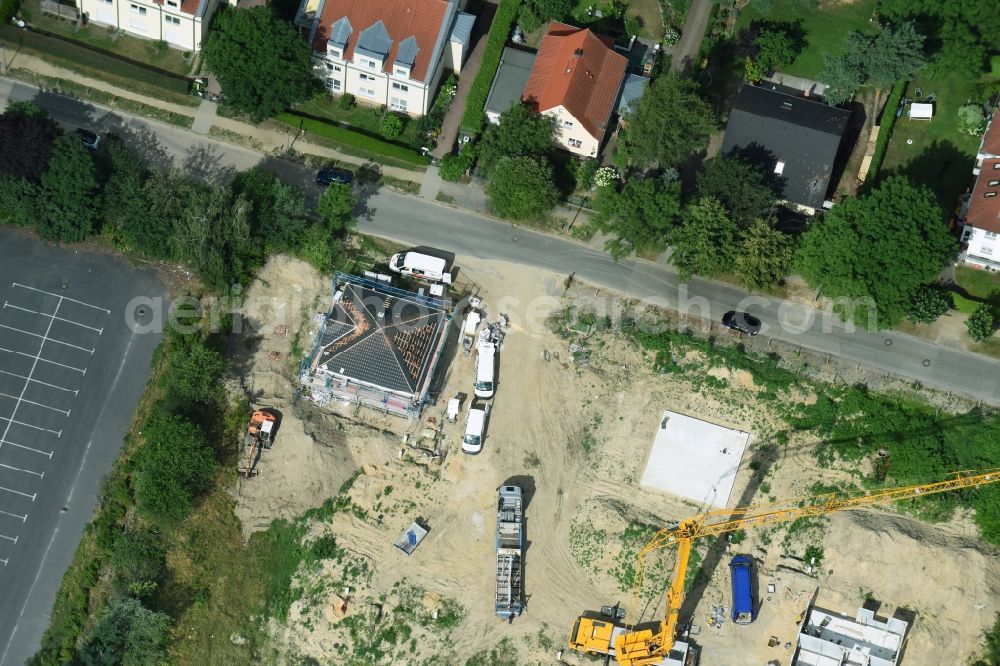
<point>827,638</point>
<point>379,346</point>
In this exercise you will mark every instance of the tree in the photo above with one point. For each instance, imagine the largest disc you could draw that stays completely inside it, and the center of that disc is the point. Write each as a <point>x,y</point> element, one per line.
<point>17,201</point>
<point>971,119</point>
<point>522,132</point>
<point>882,246</point>
<point>777,45</point>
<point>125,209</point>
<point>262,63</point>
<point>641,215</point>
<point>453,167</point>
<point>278,214</point>
<point>522,188</point>
<point>928,304</point>
<point>195,373</point>
<point>764,256</point>
<point>67,202</point>
<point>390,126</point>
<point>981,322</point>
<point>842,75</point>
<point>174,465</point>
<point>705,243</point>
<point>740,187</point>
<point>891,55</point>
<point>551,10</point>
<point>336,207</point>
<point>27,136</point>
<point>127,634</point>
<point>138,562</point>
<point>668,124</point>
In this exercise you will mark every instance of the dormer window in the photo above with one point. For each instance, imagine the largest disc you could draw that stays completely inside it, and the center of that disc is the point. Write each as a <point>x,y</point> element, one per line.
<point>334,52</point>
<point>401,71</point>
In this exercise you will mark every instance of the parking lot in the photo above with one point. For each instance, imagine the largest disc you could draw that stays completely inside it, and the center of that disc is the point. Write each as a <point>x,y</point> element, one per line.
<point>71,371</point>
<point>47,342</point>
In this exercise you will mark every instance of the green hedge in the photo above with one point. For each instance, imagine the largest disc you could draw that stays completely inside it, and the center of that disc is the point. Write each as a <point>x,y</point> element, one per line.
<point>351,137</point>
<point>475,103</point>
<point>888,122</point>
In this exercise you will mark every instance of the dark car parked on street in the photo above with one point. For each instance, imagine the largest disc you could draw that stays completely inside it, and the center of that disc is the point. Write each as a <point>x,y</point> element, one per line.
<point>327,176</point>
<point>90,139</point>
<point>741,321</point>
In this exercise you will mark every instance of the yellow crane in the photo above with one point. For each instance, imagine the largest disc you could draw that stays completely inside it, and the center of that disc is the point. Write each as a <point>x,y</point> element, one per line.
<point>645,646</point>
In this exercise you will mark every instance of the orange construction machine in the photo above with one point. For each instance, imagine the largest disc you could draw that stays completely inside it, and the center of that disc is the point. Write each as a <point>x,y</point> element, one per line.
<point>259,435</point>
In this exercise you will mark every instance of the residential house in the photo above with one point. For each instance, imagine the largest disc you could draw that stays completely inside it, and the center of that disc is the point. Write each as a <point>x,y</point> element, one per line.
<point>989,149</point>
<point>389,52</point>
<point>509,82</point>
<point>182,24</point>
<point>980,212</point>
<point>576,79</point>
<point>791,136</point>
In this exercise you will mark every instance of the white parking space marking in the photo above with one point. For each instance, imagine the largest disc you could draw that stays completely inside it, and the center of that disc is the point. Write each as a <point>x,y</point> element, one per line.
<point>45,338</point>
<point>39,381</point>
<point>40,475</point>
<point>65,412</point>
<point>30,496</point>
<point>7,304</point>
<point>4,561</point>
<point>9,538</point>
<point>26,448</point>
<point>61,297</point>
<point>82,371</point>
<point>10,421</point>
<point>23,518</point>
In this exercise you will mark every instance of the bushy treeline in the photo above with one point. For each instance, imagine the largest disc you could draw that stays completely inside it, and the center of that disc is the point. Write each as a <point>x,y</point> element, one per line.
<point>109,609</point>
<point>51,182</point>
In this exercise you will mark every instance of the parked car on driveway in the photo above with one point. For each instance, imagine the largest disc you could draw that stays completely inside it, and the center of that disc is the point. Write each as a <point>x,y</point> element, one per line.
<point>741,321</point>
<point>90,139</point>
<point>328,176</point>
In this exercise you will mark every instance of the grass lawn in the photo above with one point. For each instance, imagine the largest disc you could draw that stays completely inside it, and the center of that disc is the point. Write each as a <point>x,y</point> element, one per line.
<point>825,29</point>
<point>156,54</point>
<point>979,284</point>
<point>647,12</point>
<point>938,156</point>
<point>362,117</point>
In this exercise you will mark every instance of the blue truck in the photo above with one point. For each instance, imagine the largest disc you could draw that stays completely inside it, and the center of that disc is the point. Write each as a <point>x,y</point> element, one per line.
<point>744,606</point>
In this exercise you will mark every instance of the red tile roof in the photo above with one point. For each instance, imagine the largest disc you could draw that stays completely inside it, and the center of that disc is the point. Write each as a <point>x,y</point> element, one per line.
<point>984,211</point>
<point>421,19</point>
<point>991,142</point>
<point>189,7</point>
<point>579,71</point>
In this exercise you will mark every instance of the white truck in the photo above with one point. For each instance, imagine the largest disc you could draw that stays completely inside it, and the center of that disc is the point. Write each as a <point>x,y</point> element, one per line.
<point>486,354</point>
<point>475,428</point>
<point>510,549</point>
<point>421,266</point>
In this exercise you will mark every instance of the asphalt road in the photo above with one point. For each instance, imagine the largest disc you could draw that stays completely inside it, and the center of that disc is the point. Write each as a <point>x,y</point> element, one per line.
<point>71,372</point>
<point>390,214</point>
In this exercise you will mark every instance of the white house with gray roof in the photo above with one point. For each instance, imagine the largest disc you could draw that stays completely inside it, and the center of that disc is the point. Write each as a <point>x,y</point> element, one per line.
<point>389,52</point>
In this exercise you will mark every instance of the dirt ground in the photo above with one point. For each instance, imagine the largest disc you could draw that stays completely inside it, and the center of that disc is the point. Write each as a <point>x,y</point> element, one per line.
<point>576,437</point>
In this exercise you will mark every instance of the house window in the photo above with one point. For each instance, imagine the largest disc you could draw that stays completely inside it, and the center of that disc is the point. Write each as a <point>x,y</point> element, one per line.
<point>108,2</point>
<point>172,19</point>
<point>398,104</point>
<point>987,250</point>
<point>335,53</point>
<point>991,234</point>
<point>575,143</point>
<point>365,62</point>
<point>400,87</point>
<point>337,68</point>
<point>171,3</point>
<point>334,84</point>
<point>779,168</point>
<point>402,72</point>
<point>567,124</point>
<point>136,9</point>
<point>367,92</point>
<point>366,77</point>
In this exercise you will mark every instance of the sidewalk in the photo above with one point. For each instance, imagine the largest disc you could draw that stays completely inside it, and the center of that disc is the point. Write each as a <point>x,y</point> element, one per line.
<point>263,139</point>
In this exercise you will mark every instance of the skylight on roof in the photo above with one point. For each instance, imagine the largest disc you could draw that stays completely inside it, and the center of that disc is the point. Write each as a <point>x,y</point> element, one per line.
<point>779,168</point>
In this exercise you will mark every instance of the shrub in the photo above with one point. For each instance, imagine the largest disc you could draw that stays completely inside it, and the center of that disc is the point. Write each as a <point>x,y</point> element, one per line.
<point>586,173</point>
<point>885,131</point>
<point>522,188</point>
<point>971,119</point>
<point>350,137</point>
<point>391,126</point>
<point>980,323</point>
<point>453,167</point>
<point>503,21</point>
<point>928,304</point>
<point>606,176</point>
<point>347,102</point>
<point>127,633</point>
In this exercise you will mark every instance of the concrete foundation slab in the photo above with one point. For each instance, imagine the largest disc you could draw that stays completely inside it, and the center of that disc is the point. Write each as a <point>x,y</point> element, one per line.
<point>695,459</point>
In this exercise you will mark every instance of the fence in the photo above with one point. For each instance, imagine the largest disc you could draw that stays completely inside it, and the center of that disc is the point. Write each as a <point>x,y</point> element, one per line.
<point>60,10</point>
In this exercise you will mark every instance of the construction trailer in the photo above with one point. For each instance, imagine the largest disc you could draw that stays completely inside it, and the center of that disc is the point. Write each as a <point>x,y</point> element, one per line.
<point>378,347</point>
<point>510,553</point>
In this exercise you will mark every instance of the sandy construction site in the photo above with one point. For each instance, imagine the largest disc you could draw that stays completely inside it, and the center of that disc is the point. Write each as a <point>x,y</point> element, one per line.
<point>575,435</point>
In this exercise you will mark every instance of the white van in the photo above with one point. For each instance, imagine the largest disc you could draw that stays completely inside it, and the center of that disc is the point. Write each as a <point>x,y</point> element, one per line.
<point>485,384</point>
<point>420,265</point>
<point>475,426</point>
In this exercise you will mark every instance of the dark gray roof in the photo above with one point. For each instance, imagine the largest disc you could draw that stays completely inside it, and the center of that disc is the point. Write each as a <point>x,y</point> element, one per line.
<point>511,77</point>
<point>768,127</point>
<point>340,32</point>
<point>461,30</point>
<point>374,41</point>
<point>407,53</point>
<point>381,339</point>
<point>632,89</point>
